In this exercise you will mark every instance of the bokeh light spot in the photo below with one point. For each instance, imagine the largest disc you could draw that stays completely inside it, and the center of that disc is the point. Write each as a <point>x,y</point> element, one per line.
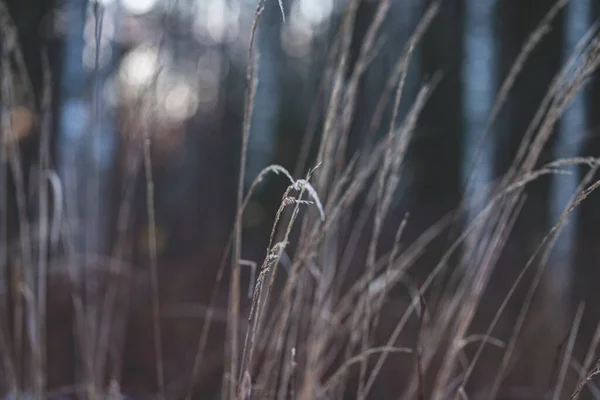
<point>139,67</point>
<point>138,7</point>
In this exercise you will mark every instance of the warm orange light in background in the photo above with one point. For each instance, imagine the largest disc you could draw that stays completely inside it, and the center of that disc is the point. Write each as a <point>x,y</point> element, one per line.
<point>22,121</point>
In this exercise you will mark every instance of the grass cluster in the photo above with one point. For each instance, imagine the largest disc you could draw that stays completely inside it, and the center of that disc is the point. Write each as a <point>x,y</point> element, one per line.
<point>312,329</point>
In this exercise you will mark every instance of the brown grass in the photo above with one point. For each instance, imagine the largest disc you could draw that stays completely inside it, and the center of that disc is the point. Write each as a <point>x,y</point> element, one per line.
<point>315,329</point>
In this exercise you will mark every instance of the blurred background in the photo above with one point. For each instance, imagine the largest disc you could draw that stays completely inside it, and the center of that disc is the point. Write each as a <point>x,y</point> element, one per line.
<point>175,69</point>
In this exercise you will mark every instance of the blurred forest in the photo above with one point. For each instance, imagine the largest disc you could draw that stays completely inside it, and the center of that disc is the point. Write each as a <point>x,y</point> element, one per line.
<point>104,76</point>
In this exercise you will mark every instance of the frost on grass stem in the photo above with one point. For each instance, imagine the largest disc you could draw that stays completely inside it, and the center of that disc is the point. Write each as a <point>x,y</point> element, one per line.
<point>276,169</point>
<point>275,250</point>
<point>282,11</point>
<point>302,184</point>
<point>298,185</point>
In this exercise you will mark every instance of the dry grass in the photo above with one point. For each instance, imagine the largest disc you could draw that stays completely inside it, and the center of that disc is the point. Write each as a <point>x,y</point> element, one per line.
<point>314,330</point>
